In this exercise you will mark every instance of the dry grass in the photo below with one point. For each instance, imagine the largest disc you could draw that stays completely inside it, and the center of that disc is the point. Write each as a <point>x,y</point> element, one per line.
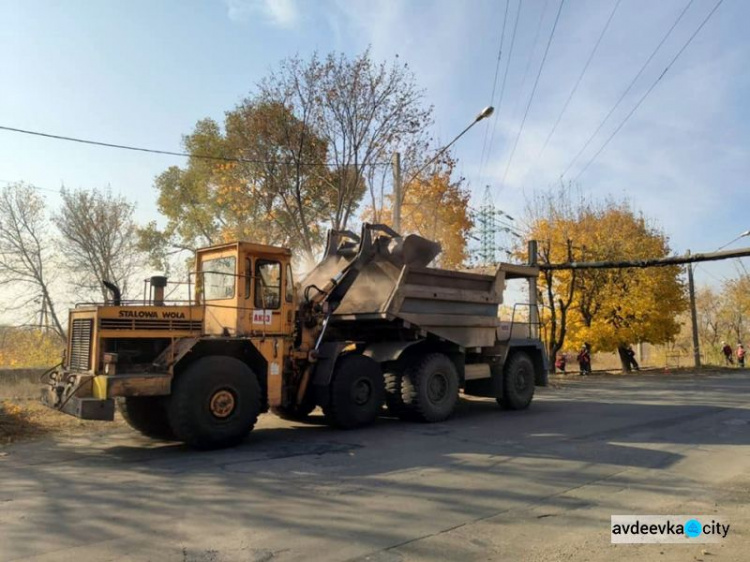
<point>23,417</point>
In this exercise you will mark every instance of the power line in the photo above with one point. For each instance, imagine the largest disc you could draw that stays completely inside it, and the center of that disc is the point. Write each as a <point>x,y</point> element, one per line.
<point>580,77</point>
<point>645,95</point>
<point>627,90</point>
<point>9,182</point>
<point>533,90</point>
<point>505,78</point>
<point>494,87</point>
<point>169,152</point>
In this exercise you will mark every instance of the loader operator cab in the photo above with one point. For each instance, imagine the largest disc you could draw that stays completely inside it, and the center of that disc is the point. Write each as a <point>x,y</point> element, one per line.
<point>246,289</point>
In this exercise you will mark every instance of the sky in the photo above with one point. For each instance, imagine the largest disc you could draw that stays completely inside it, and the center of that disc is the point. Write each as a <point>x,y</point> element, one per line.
<point>142,73</point>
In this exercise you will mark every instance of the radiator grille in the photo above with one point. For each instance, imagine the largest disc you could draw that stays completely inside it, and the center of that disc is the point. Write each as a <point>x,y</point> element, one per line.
<point>80,344</point>
<point>156,324</point>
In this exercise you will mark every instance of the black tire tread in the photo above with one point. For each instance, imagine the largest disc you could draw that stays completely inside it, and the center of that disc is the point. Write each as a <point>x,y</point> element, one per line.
<point>510,400</point>
<point>186,389</point>
<point>147,415</point>
<point>411,391</point>
<point>394,400</point>
<point>338,411</point>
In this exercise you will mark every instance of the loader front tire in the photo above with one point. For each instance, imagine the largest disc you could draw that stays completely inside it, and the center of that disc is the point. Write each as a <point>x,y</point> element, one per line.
<point>518,382</point>
<point>147,415</point>
<point>357,392</point>
<point>215,403</point>
<point>430,388</point>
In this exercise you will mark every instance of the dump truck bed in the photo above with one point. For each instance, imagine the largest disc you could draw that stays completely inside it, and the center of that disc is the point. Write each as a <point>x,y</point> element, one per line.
<point>394,284</point>
<point>458,306</point>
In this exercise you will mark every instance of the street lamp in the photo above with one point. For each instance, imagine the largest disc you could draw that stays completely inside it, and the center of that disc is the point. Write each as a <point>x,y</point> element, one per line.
<point>746,233</point>
<point>486,112</point>
<point>398,184</point>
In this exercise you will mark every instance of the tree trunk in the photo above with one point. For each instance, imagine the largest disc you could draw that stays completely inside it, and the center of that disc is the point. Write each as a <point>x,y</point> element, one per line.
<point>554,347</point>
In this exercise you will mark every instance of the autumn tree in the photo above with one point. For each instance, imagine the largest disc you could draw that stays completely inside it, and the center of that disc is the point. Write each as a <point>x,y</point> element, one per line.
<point>23,347</point>
<point>553,219</point>
<point>435,206</point>
<point>97,240</point>
<point>292,158</point>
<point>26,258</point>
<point>608,308</point>
<point>734,308</point>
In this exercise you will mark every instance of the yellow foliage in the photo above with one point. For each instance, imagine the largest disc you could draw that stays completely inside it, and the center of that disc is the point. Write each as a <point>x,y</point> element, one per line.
<point>607,308</point>
<point>29,347</point>
<point>436,208</point>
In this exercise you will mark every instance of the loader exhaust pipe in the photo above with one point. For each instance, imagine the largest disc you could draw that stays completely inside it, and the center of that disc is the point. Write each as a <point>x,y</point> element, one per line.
<point>158,282</point>
<point>116,295</point>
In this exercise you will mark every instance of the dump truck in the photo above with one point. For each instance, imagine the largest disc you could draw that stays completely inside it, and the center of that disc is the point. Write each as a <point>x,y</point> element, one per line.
<point>372,325</point>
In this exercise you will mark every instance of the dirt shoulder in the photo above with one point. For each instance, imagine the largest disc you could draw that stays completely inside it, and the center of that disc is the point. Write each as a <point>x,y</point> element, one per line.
<point>23,417</point>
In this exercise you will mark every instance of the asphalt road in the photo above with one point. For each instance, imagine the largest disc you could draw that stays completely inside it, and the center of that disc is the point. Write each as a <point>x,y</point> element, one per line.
<point>486,485</point>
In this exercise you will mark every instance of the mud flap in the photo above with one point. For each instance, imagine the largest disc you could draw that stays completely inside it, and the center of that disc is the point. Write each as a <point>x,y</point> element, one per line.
<point>328,353</point>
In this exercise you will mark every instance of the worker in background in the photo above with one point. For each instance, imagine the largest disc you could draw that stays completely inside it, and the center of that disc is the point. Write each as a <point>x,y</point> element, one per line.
<point>740,355</point>
<point>584,360</point>
<point>727,351</point>
<point>631,359</point>
<point>560,362</point>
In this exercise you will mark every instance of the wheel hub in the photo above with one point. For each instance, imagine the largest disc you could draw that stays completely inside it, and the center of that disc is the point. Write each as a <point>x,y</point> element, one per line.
<point>222,404</point>
<point>361,392</point>
<point>437,388</point>
<point>521,381</point>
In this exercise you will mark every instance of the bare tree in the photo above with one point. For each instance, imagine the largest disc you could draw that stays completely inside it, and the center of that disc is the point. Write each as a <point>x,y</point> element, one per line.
<point>362,110</point>
<point>98,239</point>
<point>25,252</point>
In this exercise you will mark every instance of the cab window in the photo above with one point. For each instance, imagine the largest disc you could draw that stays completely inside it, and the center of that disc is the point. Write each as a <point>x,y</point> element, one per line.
<point>218,278</point>
<point>267,284</point>
<point>289,284</point>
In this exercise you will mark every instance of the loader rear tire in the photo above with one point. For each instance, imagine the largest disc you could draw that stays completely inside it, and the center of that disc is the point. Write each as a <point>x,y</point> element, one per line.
<point>430,388</point>
<point>357,392</point>
<point>518,382</point>
<point>215,403</point>
<point>147,415</point>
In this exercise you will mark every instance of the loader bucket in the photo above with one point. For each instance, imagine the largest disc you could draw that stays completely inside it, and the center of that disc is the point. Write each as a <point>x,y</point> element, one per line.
<point>413,251</point>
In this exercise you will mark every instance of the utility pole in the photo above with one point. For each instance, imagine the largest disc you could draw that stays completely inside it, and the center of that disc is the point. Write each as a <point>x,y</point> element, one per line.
<point>397,191</point>
<point>693,315</point>
<point>533,258</point>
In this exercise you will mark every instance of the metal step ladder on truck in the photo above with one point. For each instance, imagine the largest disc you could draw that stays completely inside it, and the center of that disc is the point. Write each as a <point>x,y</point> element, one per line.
<point>371,324</point>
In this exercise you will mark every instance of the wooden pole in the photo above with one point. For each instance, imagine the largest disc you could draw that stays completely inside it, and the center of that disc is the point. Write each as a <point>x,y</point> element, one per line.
<point>693,316</point>
<point>533,295</point>
<point>397,191</point>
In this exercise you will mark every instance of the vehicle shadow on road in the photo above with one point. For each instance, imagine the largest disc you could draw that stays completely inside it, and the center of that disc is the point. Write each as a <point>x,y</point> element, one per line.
<point>481,463</point>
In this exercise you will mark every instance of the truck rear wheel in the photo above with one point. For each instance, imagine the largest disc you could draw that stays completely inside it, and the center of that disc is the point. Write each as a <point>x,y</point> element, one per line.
<point>394,400</point>
<point>357,392</point>
<point>215,403</point>
<point>518,382</point>
<point>147,415</point>
<point>430,388</point>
